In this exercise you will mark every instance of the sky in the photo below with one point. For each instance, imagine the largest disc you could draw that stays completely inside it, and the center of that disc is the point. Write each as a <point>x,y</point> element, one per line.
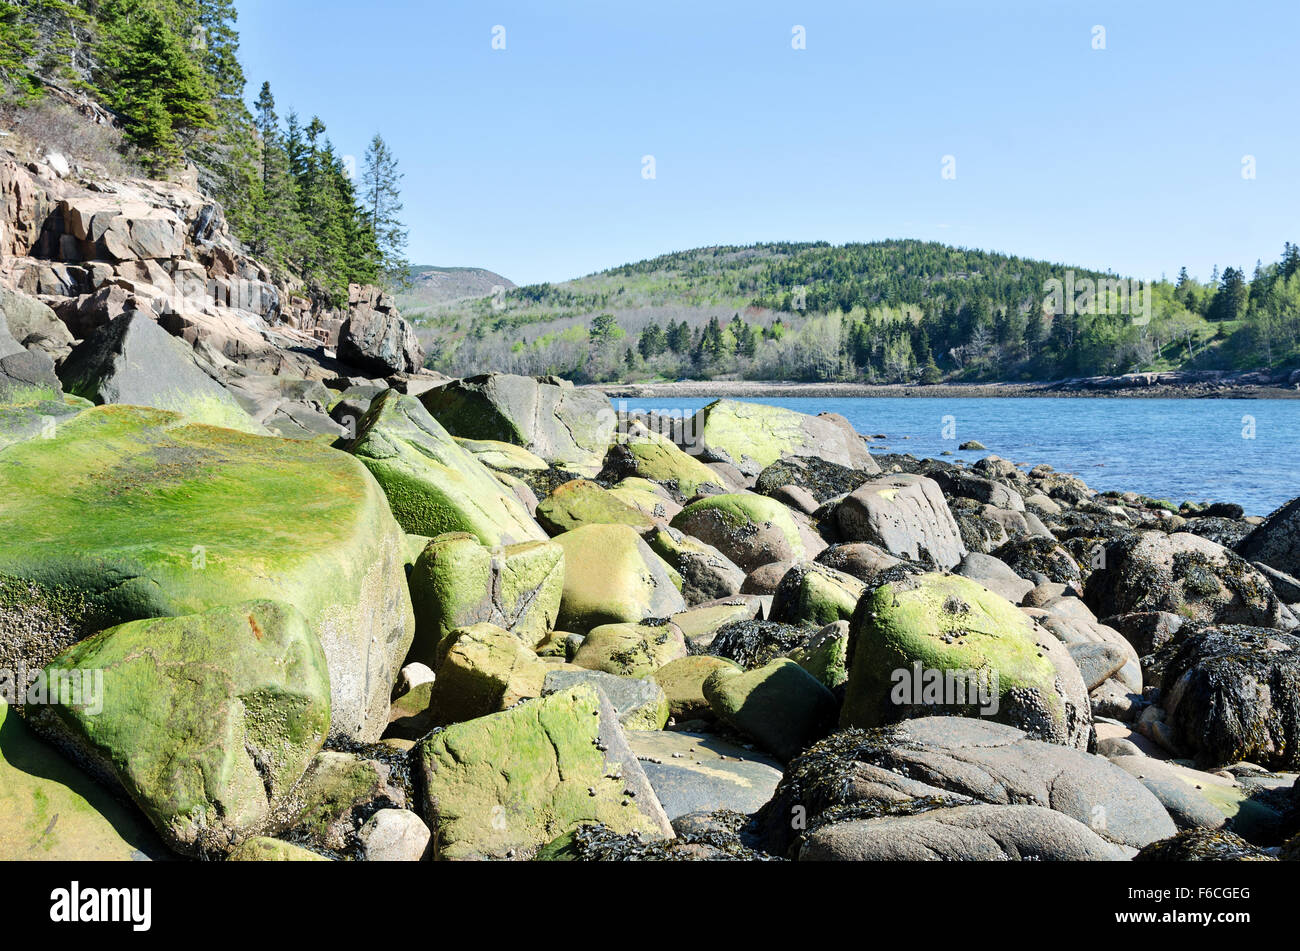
<point>992,125</point>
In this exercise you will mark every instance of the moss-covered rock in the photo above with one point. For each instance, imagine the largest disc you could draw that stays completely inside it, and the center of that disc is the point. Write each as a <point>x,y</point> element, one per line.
<point>485,669</point>
<point>631,650</point>
<point>751,530</point>
<point>641,704</point>
<point>264,849</point>
<point>701,623</point>
<point>683,680</point>
<point>707,574</point>
<point>648,455</point>
<point>581,502</point>
<point>336,797</point>
<point>206,720</point>
<point>503,456</point>
<point>503,786</point>
<point>780,705</point>
<point>32,414</point>
<point>813,594</point>
<point>647,498</point>
<point>129,513</point>
<point>752,436</point>
<point>611,576</point>
<point>52,811</point>
<point>825,656</point>
<point>932,645</point>
<point>457,582</point>
<point>433,485</point>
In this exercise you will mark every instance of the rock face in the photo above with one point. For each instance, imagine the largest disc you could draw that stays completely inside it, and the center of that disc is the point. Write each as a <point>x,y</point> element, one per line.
<point>457,582</point>
<point>205,720</point>
<point>135,362</point>
<point>569,428</point>
<point>503,786</point>
<point>942,644</point>
<point>213,517</point>
<point>1233,693</point>
<point>752,437</point>
<point>1181,574</point>
<point>375,338</point>
<point>24,372</point>
<point>907,516</point>
<point>1276,542</point>
<point>433,485</point>
<point>51,810</point>
<point>611,576</point>
<point>932,762</point>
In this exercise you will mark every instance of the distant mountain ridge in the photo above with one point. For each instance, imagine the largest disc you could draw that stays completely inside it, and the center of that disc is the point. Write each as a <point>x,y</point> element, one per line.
<point>432,285</point>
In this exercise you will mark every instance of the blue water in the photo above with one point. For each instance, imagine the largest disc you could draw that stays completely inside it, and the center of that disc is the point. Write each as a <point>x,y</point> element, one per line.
<point>1179,450</point>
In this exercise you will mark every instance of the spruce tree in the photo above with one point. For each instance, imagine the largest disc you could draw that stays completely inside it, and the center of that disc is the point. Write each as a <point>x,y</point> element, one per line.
<point>382,203</point>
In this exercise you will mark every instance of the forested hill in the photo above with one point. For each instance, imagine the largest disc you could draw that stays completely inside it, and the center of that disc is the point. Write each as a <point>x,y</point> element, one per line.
<point>888,311</point>
<point>155,87</point>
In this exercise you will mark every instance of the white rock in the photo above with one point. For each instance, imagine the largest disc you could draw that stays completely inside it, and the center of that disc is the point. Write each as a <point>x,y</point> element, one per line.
<point>394,835</point>
<point>58,164</point>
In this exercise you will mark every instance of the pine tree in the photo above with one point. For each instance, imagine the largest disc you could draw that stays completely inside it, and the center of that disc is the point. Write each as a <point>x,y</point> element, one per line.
<point>382,209</point>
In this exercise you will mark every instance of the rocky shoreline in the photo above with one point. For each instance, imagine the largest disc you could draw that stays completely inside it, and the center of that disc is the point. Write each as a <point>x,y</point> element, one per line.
<point>1215,385</point>
<point>269,592</point>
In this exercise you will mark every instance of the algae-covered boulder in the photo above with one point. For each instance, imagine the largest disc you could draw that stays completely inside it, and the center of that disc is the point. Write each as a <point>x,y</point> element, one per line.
<point>503,786</point>
<point>205,720</point>
<point>1182,574</point>
<point>904,514</point>
<point>128,513</point>
<point>751,530</point>
<point>825,656</point>
<point>135,362</point>
<point>485,669</point>
<point>52,811</point>
<point>612,576</point>
<point>702,622</point>
<point>263,849</point>
<point>457,582</point>
<point>811,593</point>
<point>567,427</point>
<point>683,680</point>
<point>646,497</point>
<point>433,485</point>
<point>335,797</point>
<point>581,502</point>
<point>752,436</point>
<point>707,574</point>
<point>942,644</point>
<point>780,705</point>
<point>503,456</point>
<point>648,455</point>
<point>641,704</point>
<point>631,650</point>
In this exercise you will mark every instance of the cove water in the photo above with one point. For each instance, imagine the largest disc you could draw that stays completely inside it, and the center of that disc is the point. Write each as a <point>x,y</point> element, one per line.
<point>1243,451</point>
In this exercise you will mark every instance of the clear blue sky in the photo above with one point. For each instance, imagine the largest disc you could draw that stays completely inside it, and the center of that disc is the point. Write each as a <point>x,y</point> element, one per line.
<point>528,160</point>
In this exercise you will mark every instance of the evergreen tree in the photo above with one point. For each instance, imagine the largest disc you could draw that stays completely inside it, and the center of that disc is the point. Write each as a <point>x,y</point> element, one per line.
<point>383,207</point>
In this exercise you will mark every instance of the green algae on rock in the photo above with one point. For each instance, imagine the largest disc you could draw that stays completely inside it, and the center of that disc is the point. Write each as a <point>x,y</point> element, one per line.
<point>581,502</point>
<point>780,705</point>
<point>631,650</point>
<point>128,513</point>
<point>263,849</point>
<point>811,593</point>
<point>485,669</point>
<point>504,785</point>
<point>611,576</point>
<point>433,485</point>
<point>751,530</point>
<point>206,721</point>
<point>752,436</point>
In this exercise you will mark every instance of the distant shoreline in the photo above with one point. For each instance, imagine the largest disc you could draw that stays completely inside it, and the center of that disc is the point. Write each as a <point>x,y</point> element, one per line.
<point>1109,388</point>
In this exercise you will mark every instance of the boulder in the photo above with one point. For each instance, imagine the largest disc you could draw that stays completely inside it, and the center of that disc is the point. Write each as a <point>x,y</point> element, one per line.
<point>994,574</point>
<point>697,772</point>
<point>1182,574</point>
<point>375,338</point>
<point>812,594</point>
<point>752,436</point>
<point>780,705</point>
<point>206,721</point>
<point>1232,693</point>
<point>394,835</point>
<point>50,810</point>
<point>825,656</point>
<point>751,530</point>
<point>942,644</point>
<point>919,764</point>
<point>702,622</point>
<point>214,517</point>
<point>567,427</point>
<point>504,785</point>
<point>641,704</point>
<point>25,375</point>
<point>502,456</point>
<point>683,680</point>
<point>264,849</point>
<point>1040,559</point>
<point>611,576</point>
<point>1276,542</point>
<point>819,479</point>
<point>433,485</point>
<point>135,362</point>
<point>457,582</point>
<point>707,574</point>
<point>29,319</point>
<point>753,643</point>
<point>647,455</point>
<point>904,514</point>
<point>962,834</point>
<point>1203,845</point>
<point>580,502</point>
<point>485,669</point>
<point>631,650</point>
<point>338,793</point>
